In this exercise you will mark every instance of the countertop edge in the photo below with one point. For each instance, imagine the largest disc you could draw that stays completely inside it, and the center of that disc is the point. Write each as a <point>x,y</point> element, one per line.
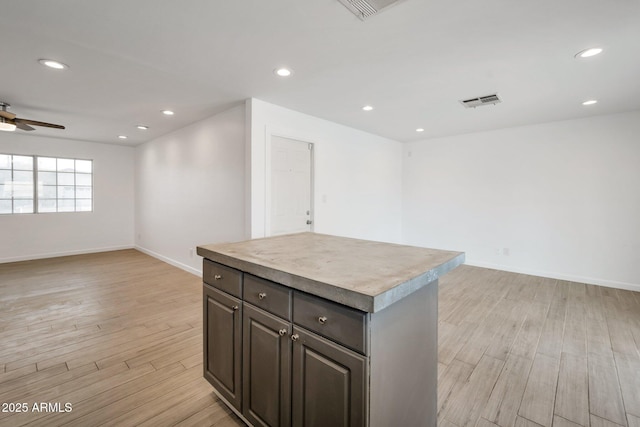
<point>367,303</point>
<point>407,288</point>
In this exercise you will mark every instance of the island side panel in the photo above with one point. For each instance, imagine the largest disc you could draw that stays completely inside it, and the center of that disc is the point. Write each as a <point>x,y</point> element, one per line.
<point>404,361</point>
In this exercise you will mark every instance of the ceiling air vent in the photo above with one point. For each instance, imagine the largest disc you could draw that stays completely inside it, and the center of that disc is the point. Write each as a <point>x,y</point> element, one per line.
<point>481,100</point>
<point>364,9</point>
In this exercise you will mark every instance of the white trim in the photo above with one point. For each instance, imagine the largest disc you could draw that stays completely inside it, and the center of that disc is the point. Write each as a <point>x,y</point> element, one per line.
<point>559,276</point>
<point>171,261</point>
<point>66,253</point>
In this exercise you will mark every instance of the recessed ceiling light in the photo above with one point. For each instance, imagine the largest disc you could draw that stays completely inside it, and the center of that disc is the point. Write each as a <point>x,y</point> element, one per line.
<point>122,136</point>
<point>167,112</point>
<point>53,64</point>
<point>283,72</point>
<point>367,108</point>
<point>588,52</point>
<point>590,102</point>
<point>142,127</point>
<point>419,130</point>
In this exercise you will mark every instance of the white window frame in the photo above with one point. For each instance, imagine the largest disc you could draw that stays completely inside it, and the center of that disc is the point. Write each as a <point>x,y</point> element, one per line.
<point>37,185</point>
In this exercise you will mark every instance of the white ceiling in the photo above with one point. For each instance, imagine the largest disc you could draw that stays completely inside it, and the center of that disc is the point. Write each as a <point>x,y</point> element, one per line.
<point>413,62</point>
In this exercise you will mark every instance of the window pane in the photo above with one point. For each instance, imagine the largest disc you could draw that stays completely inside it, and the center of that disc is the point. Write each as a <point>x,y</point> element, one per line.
<point>5,161</point>
<point>47,191</point>
<point>5,176</point>
<point>23,177</point>
<point>5,191</point>
<point>22,191</point>
<point>83,179</point>
<point>65,178</point>
<point>46,164</point>
<point>23,163</point>
<point>5,207</point>
<point>84,166</point>
<point>83,205</point>
<point>23,206</point>
<point>47,205</point>
<point>47,178</point>
<point>66,205</point>
<point>66,165</point>
<point>66,192</point>
<point>83,192</point>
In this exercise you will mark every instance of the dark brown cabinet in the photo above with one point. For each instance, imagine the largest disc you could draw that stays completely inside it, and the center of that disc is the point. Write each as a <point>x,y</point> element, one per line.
<point>267,368</point>
<point>328,383</point>
<point>223,343</point>
<point>285,358</point>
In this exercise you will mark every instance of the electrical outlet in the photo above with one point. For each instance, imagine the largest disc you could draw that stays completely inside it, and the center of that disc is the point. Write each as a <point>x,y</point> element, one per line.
<point>498,251</point>
<point>506,251</point>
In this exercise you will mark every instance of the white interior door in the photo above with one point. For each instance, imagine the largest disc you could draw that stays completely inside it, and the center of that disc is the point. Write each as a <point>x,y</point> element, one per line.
<point>290,186</point>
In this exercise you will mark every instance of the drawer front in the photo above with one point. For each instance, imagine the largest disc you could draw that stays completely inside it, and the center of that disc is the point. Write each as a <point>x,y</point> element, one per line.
<point>344,325</point>
<point>269,296</point>
<point>222,277</point>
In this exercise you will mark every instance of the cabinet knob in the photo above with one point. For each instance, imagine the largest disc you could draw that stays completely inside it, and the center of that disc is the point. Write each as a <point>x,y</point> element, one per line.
<point>262,295</point>
<point>295,337</point>
<point>282,332</point>
<point>234,307</point>
<point>217,277</point>
<point>322,320</point>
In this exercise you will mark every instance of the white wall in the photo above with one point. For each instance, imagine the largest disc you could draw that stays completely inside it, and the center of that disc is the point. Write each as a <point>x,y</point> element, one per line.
<point>108,227</point>
<point>358,176</point>
<point>563,197</point>
<point>190,189</point>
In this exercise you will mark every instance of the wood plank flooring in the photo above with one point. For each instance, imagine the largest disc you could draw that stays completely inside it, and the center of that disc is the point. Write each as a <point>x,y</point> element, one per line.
<point>118,336</point>
<point>517,350</point>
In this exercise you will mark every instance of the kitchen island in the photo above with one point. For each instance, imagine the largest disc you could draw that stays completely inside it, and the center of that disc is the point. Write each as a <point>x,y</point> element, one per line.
<point>316,330</point>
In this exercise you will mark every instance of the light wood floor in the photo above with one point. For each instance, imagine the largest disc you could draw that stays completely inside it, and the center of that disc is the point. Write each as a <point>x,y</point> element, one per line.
<point>118,335</point>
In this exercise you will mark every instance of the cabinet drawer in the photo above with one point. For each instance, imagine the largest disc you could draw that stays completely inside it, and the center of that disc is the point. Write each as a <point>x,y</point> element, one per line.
<point>269,296</point>
<point>222,277</point>
<point>344,325</point>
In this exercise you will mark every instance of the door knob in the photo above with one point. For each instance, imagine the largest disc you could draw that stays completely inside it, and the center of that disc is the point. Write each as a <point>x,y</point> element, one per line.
<point>309,222</point>
<point>282,332</point>
<point>295,337</point>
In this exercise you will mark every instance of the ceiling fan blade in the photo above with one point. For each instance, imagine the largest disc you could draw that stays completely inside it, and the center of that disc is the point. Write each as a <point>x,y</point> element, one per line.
<point>23,126</point>
<point>36,123</point>
<point>7,115</point>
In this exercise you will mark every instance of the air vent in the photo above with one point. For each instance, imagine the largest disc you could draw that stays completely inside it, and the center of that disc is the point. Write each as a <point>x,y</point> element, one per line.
<point>364,9</point>
<point>481,100</point>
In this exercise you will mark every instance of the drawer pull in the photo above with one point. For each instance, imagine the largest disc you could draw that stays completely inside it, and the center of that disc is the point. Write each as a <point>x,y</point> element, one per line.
<point>217,277</point>
<point>282,332</point>
<point>295,337</point>
<point>262,295</point>
<point>322,320</point>
<point>234,307</point>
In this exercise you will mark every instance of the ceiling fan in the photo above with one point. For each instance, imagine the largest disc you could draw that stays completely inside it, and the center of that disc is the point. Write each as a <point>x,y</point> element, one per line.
<point>9,121</point>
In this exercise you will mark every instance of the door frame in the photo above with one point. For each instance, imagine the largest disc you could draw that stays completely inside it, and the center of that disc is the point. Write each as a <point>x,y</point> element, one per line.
<point>269,133</point>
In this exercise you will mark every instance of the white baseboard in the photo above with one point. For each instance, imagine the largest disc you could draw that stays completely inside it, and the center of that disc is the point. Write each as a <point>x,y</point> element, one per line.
<point>65,253</point>
<point>559,276</point>
<point>171,261</point>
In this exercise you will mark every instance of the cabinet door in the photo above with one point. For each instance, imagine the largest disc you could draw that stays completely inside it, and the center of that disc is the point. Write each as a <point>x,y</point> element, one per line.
<point>223,344</point>
<point>267,369</point>
<point>329,383</point>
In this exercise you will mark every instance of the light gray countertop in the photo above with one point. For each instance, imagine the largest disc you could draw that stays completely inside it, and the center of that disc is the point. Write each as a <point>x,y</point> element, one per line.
<point>361,274</point>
